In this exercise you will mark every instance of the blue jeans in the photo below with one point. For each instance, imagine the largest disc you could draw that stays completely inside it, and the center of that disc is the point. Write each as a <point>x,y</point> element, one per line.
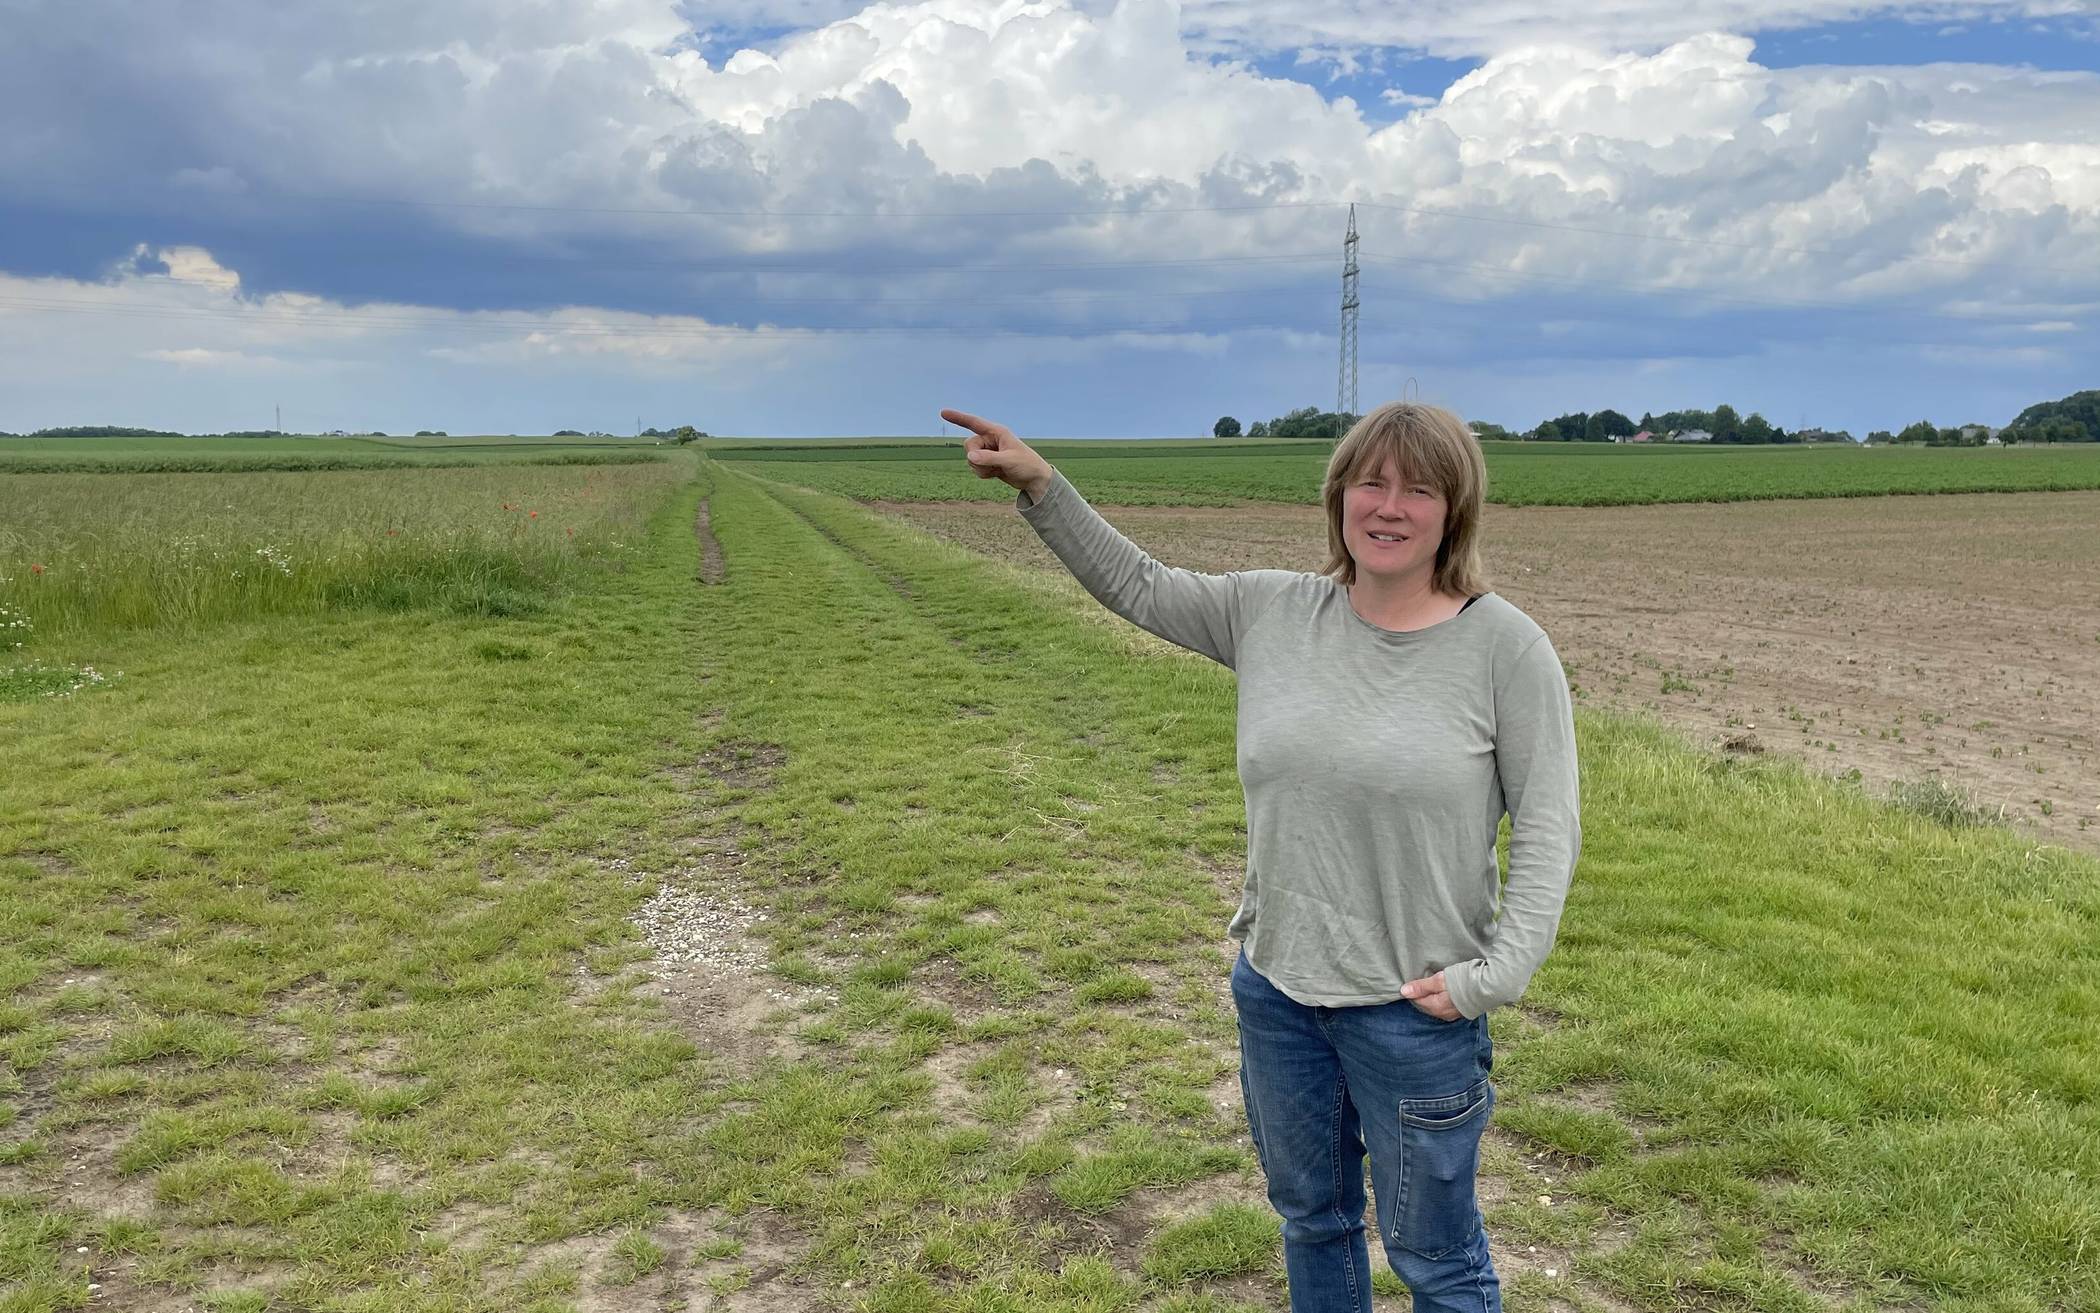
<point>1324,1084</point>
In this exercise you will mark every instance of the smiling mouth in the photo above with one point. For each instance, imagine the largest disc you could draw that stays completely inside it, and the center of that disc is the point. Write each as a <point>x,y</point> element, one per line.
<point>1388,538</point>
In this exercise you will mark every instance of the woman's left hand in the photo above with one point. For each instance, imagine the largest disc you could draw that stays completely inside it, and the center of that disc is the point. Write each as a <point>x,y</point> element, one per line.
<point>1429,994</point>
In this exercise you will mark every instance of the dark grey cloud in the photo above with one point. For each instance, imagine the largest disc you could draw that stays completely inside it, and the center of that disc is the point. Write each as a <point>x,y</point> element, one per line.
<point>475,155</point>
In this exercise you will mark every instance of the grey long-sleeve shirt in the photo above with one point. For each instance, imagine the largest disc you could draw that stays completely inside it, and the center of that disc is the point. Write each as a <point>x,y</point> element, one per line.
<point>1377,767</point>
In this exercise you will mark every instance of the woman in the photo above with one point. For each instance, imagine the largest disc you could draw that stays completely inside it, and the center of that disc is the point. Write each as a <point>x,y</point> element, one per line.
<point>1391,710</point>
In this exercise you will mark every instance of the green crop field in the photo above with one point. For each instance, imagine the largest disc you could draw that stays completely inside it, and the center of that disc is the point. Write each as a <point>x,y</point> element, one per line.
<point>1519,474</point>
<point>339,941</point>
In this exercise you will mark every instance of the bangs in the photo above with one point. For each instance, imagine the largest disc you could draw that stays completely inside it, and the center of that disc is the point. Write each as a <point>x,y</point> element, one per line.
<point>1418,453</point>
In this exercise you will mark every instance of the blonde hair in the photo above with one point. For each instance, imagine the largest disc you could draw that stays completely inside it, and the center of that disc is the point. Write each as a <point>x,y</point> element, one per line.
<point>1427,444</point>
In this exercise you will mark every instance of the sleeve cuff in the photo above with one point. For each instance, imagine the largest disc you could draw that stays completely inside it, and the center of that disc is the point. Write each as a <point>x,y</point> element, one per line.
<point>1461,986</point>
<point>1050,494</point>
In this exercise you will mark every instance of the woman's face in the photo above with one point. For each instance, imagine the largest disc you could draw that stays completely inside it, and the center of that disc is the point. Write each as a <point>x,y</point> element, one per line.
<point>1392,527</point>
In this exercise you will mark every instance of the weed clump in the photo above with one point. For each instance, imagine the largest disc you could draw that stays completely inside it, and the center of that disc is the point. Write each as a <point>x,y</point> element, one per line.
<point>1943,804</point>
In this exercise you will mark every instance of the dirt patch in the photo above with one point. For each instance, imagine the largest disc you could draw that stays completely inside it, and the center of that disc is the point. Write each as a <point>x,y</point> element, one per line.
<point>743,764</point>
<point>1902,637</point>
<point>711,568</point>
<point>759,1277</point>
<point>708,969</point>
<point>942,979</point>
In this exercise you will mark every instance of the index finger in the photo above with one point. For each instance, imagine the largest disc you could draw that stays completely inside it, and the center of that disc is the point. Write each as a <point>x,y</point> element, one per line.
<point>977,424</point>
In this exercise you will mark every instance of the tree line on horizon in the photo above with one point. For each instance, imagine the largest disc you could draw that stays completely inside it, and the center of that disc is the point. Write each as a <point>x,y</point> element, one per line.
<point>2075,418</point>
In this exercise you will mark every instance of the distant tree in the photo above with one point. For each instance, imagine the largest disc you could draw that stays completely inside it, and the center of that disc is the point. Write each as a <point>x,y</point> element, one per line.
<point>653,433</point>
<point>685,433</point>
<point>1226,427</point>
<point>1647,422</point>
<point>1758,429</point>
<point>1604,425</point>
<point>1922,433</point>
<point>1260,429</point>
<point>432,433</point>
<point>2079,416</point>
<point>103,431</point>
<point>568,433</point>
<point>1547,431</point>
<point>1677,421</point>
<point>1490,432</point>
<point>1728,427</point>
<point>1310,422</point>
<point>1570,427</point>
<point>1880,438</point>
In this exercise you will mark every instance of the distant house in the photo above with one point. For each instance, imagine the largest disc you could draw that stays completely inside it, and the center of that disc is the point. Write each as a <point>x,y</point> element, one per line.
<point>1691,435</point>
<point>1643,436</point>
<point>1979,433</point>
<point>1994,441</point>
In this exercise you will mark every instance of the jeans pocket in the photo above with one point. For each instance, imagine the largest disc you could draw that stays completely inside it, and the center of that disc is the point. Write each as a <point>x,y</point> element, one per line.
<point>1439,1164</point>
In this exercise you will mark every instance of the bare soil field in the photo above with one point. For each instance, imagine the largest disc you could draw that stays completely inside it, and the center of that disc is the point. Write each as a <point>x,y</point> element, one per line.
<point>1949,638</point>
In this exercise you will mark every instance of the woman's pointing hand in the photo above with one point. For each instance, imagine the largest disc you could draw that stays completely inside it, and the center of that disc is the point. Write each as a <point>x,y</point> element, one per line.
<point>995,453</point>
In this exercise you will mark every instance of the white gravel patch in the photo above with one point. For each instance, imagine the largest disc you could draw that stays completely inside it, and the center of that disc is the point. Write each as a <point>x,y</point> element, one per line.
<point>689,925</point>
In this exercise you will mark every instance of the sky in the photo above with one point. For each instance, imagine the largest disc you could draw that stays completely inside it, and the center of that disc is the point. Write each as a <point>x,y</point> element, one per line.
<point>1112,218</point>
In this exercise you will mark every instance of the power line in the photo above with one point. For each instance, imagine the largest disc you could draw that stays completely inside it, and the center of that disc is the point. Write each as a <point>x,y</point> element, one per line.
<point>1138,212</point>
<point>1769,247</point>
<point>1768,303</point>
<point>732,267</point>
<point>483,321</point>
<point>1145,211</point>
<point>537,321</point>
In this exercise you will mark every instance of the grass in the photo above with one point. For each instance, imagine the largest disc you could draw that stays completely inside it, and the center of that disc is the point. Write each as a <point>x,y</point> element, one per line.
<point>1229,1240</point>
<point>1519,473</point>
<point>91,553</point>
<point>319,973</point>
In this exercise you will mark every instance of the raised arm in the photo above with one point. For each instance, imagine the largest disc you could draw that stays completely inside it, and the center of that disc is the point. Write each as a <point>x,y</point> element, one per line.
<point>1201,612</point>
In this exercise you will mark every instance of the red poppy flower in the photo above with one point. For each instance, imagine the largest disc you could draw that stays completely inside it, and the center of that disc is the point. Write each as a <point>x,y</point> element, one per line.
<point>36,569</point>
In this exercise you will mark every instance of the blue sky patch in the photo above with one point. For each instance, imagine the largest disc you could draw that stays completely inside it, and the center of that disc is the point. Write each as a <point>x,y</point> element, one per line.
<point>1379,71</point>
<point>2065,44</point>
